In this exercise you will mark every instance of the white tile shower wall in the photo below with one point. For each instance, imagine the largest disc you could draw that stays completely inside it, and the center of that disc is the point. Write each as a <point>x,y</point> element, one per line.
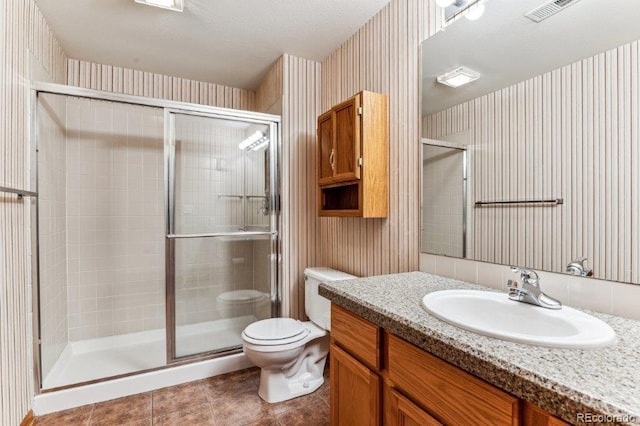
<point>599,295</point>
<point>52,229</point>
<point>442,218</point>
<point>218,186</point>
<point>115,222</point>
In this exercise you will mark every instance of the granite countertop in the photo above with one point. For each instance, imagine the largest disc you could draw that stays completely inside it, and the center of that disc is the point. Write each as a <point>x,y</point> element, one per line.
<point>562,381</point>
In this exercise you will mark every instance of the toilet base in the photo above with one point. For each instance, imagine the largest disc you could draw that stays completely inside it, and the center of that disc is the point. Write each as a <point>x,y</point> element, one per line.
<point>291,370</point>
<point>275,387</point>
<point>301,377</point>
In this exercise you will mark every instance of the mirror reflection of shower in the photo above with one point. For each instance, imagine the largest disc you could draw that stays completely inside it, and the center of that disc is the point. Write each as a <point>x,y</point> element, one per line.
<point>444,199</point>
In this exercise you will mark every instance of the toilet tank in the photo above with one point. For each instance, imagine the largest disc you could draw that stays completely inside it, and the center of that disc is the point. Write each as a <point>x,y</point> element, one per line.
<point>318,308</point>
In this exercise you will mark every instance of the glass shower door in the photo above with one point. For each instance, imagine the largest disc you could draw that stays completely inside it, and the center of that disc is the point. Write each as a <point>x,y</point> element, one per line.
<point>221,230</point>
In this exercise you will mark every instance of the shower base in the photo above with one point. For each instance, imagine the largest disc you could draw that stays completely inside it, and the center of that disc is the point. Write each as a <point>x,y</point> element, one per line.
<point>93,359</point>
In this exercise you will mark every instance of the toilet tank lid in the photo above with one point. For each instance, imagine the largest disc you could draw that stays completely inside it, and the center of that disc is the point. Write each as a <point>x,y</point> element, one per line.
<point>327,274</point>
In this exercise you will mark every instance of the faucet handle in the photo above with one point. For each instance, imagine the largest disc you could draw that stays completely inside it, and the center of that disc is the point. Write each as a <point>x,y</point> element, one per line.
<point>513,287</point>
<point>526,274</point>
<point>577,267</point>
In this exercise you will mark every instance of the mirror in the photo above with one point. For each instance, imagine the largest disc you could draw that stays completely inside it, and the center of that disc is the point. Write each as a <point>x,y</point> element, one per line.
<point>551,136</point>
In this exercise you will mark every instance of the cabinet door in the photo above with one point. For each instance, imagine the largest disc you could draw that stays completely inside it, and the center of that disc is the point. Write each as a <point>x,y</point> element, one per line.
<point>325,147</point>
<point>399,411</point>
<point>536,416</point>
<point>355,391</point>
<point>347,140</point>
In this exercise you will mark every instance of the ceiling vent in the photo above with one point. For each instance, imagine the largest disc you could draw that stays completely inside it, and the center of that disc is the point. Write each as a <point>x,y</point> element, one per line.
<point>550,8</point>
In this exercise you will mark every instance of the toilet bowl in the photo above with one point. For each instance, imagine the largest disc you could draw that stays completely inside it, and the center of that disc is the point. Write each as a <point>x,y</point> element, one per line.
<point>292,354</point>
<point>239,303</point>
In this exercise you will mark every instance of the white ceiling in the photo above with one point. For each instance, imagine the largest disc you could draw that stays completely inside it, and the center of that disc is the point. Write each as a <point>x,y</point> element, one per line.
<point>230,42</point>
<point>506,48</point>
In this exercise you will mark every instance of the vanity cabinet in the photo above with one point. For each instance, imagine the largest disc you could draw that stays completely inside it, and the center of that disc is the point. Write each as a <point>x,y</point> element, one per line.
<point>378,378</point>
<point>353,157</point>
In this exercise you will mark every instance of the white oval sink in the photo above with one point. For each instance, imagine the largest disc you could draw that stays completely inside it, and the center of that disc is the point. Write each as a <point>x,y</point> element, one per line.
<point>495,315</point>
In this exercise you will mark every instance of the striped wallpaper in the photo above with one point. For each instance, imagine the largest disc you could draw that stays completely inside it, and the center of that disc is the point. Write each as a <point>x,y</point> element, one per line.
<point>269,93</point>
<point>141,83</point>
<point>26,44</point>
<point>572,133</point>
<point>382,57</point>
<point>301,105</point>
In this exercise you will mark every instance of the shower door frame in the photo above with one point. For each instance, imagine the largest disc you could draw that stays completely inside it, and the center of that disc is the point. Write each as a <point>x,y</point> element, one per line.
<point>171,236</point>
<point>168,106</point>
<point>464,150</point>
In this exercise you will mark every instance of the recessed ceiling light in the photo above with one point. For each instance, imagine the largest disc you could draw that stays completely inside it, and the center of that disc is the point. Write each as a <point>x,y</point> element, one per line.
<point>177,5</point>
<point>458,77</point>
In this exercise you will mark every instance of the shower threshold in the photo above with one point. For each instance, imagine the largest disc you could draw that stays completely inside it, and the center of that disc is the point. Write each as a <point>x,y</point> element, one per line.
<point>93,359</point>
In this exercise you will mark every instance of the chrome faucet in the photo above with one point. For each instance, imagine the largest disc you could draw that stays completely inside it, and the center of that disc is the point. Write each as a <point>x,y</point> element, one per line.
<point>577,267</point>
<point>528,290</point>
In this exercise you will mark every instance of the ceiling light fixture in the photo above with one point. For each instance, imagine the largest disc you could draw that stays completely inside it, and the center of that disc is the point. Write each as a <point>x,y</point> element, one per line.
<point>458,77</point>
<point>454,10</point>
<point>177,5</point>
<point>254,142</point>
<point>475,11</point>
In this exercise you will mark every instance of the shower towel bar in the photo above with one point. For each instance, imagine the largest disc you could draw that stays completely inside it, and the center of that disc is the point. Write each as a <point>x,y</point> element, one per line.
<point>223,234</point>
<point>553,201</point>
<point>19,192</point>
<point>240,196</point>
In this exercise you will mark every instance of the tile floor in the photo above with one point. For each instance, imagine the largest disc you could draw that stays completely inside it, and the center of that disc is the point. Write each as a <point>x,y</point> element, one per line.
<point>230,399</point>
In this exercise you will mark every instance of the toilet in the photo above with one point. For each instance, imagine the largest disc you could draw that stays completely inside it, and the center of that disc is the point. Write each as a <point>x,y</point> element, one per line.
<point>292,353</point>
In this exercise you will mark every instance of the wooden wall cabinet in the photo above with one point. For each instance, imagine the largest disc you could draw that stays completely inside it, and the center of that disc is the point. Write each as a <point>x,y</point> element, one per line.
<point>380,379</point>
<point>353,157</point>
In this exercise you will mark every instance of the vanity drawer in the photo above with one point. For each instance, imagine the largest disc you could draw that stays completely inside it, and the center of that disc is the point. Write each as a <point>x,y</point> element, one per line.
<point>358,336</point>
<point>448,393</point>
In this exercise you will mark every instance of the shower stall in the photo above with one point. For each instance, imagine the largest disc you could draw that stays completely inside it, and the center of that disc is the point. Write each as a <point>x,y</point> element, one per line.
<point>155,232</point>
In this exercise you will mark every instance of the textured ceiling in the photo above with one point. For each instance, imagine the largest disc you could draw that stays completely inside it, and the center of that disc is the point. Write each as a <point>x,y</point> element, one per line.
<point>230,42</point>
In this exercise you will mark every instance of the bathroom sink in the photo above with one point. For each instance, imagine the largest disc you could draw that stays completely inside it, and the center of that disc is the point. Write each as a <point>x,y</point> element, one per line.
<point>494,314</point>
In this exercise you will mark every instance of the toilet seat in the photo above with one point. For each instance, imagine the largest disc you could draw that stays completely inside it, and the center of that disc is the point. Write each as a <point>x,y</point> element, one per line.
<point>275,332</point>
